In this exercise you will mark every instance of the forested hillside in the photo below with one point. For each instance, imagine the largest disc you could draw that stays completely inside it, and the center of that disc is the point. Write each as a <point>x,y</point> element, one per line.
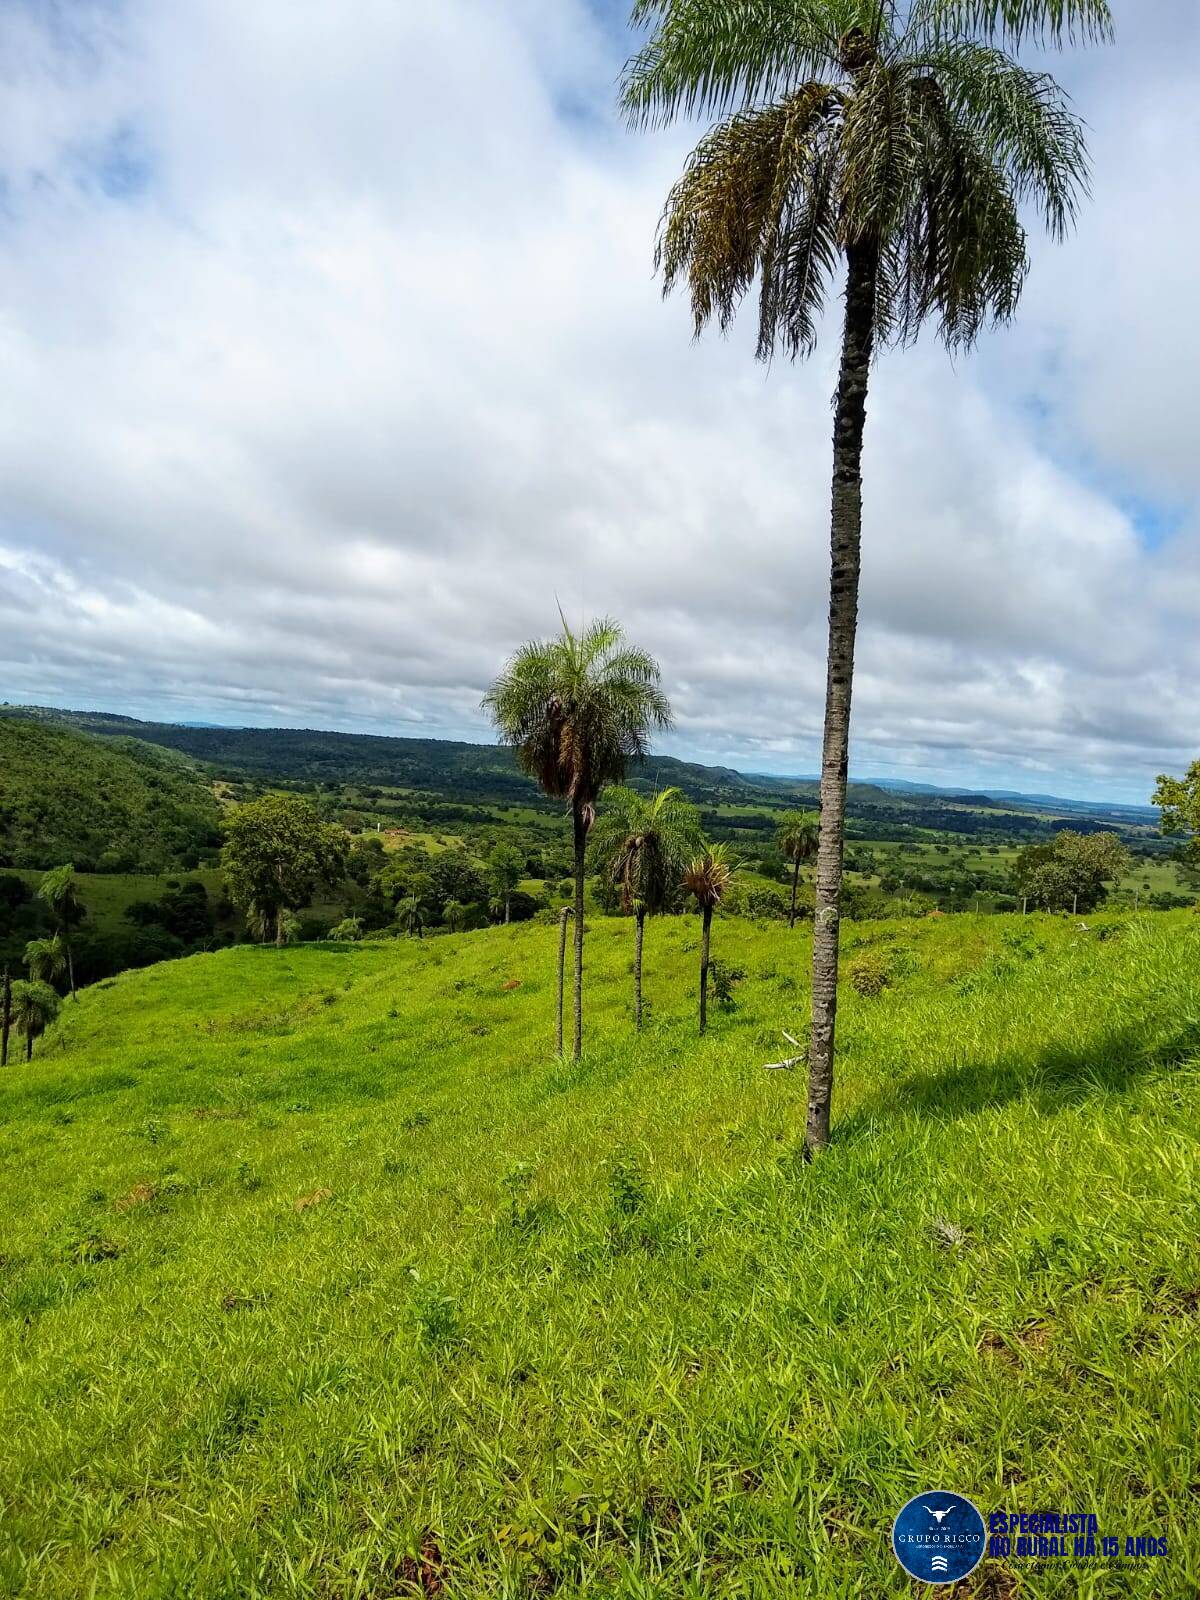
<point>109,805</point>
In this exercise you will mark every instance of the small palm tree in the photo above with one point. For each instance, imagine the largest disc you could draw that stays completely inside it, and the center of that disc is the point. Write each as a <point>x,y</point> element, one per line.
<point>577,709</point>
<point>46,959</point>
<point>708,878</point>
<point>59,890</point>
<point>796,834</point>
<point>643,846</point>
<point>410,914</point>
<point>898,138</point>
<point>505,869</point>
<point>34,1008</point>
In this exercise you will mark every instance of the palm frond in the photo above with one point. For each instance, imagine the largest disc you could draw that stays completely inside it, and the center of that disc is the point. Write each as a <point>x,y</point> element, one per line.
<point>756,202</point>
<point>963,251</point>
<point>1022,120</point>
<point>1054,22</point>
<point>710,874</point>
<point>710,57</point>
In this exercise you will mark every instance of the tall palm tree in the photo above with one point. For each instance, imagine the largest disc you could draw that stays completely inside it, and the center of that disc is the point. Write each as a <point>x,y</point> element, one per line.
<point>5,1017</point>
<point>564,917</point>
<point>35,1006</point>
<point>643,846</point>
<point>797,834</point>
<point>896,138</point>
<point>708,878</point>
<point>577,709</point>
<point>59,890</point>
<point>46,959</point>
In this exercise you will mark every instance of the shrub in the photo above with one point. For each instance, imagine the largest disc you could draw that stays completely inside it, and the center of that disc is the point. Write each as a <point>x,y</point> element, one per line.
<point>766,904</point>
<point>722,976</point>
<point>870,974</point>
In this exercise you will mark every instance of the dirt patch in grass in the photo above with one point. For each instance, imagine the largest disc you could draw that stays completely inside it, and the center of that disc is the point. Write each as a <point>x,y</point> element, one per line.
<point>425,1574</point>
<point>1034,1336</point>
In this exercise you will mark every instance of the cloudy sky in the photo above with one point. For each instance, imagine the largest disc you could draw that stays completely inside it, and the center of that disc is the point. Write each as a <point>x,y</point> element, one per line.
<point>332,356</point>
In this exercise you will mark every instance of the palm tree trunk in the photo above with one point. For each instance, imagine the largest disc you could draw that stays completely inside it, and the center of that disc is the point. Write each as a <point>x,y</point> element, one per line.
<point>279,927</point>
<point>795,886</point>
<point>5,1018</point>
<point>580,828</point>
<point>507,909</point>
<point>70,958</point>
<point>705,932</point>
<point>858,334</point>
<point>562,963</point>
<point>639,934</point>
<point>29,1047</point>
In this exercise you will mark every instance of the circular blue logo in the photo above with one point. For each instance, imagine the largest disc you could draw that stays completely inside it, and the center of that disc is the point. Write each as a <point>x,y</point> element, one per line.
<point>938,1537</point>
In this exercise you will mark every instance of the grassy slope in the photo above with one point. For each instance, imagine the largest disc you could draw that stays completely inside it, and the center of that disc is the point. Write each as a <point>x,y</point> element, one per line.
<point>665,1358</point>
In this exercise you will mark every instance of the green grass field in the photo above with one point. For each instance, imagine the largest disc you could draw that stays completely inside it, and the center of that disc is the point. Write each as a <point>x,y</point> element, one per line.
<point>319,1276</point>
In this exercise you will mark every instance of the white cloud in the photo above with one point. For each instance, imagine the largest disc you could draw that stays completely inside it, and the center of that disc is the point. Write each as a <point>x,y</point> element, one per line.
<point>334,356</point>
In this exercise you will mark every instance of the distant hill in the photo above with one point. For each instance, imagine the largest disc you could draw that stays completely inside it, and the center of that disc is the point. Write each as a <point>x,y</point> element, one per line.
<point>444,766</point>
<point>1027,802</point>
<point>112,804</point>
<point>488,774</point>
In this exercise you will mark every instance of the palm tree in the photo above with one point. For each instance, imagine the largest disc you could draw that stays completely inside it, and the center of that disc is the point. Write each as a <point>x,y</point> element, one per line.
<point>5,1018</point>
<point>563,917</point>
<point>643,846</point>
<point>577,709</point>
<point>796,834</point>
<point>899,137</point>
<point>35,1006</point>
<point>708,877</point>
<point>410,914</point>
<point>506,868</point>
<point>46,959</point>
<point>60,892</point>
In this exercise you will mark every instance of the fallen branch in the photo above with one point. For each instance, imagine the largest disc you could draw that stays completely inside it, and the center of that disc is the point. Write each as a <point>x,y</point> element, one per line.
<point>788,1062</point>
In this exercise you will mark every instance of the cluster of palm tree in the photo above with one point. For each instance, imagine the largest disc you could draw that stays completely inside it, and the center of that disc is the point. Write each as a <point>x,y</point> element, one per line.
<point>49,959</point>
<point>29,1007</point>
<point>577,710</point>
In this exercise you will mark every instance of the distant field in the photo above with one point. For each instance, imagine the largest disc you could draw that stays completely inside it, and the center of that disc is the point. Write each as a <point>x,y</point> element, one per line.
<point>108,895</point>
<point>320,1277</point>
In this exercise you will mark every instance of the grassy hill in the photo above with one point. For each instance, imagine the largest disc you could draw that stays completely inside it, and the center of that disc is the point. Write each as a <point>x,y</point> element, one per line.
<point>319,1276</point>
<point>114,803</point>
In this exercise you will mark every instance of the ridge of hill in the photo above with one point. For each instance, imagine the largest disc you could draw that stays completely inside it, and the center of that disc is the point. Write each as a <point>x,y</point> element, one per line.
<point>117,804</point>
<point>319,1273</point>
<point>477,772</point>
